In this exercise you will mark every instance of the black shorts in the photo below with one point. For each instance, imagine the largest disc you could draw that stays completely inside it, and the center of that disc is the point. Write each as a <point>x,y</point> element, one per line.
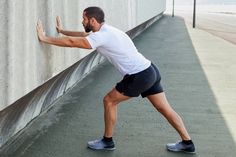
<point>146,82</point>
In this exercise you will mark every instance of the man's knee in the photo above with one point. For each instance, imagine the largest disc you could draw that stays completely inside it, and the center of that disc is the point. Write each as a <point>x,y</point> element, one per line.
<point>108,101</point>
<point>114,98</point>
<point>166,111</point>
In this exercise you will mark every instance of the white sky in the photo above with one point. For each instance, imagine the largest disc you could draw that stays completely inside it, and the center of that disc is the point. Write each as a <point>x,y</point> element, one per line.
<point>190,2</point>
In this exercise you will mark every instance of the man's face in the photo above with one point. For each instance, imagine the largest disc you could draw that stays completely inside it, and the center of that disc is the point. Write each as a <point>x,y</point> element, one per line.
<point>86,24</point>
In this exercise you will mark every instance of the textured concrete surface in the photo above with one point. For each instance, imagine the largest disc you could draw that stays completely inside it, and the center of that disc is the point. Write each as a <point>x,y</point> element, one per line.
<point>32,75</point>
<point>26,64</point>
<point>193,66</point>
<point>15,117</point>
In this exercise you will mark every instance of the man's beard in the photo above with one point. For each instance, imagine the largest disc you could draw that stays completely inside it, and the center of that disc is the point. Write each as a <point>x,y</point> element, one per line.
<point>88,28</point>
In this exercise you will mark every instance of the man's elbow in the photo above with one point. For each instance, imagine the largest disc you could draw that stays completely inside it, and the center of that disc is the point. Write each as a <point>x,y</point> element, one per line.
<point>82,43</point>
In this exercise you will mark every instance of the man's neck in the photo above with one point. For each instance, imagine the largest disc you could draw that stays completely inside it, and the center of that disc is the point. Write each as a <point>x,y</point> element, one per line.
<point>98,27</point>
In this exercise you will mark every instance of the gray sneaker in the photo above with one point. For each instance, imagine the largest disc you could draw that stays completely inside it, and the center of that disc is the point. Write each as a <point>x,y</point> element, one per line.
<point>181,147</point>
<point>100,144</point>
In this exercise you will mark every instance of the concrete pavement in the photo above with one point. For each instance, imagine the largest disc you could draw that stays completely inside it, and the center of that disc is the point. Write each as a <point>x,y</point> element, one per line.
<point>217,20</point>
<point>198,74</point>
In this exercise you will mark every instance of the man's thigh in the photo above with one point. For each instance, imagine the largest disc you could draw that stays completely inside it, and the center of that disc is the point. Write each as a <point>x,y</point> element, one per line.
<point>116,96</point>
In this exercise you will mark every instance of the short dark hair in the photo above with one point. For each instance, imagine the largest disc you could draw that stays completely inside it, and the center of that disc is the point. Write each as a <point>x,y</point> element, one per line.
<point>96,13</point>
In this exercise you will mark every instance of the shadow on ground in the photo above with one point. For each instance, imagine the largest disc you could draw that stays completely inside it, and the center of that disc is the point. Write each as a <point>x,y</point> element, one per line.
<point>140,131</point>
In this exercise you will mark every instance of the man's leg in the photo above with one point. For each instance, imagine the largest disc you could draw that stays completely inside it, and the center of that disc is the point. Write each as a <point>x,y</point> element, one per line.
<point>111,101</point>
<point>160,102</point>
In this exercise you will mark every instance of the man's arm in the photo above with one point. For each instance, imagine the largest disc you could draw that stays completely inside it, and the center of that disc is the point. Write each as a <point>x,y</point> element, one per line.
<point>73,33</point>
<point>68,33</point>
<point>80,42</point>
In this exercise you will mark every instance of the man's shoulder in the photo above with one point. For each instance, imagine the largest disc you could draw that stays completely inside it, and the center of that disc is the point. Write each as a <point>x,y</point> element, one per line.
<point>108,27</point>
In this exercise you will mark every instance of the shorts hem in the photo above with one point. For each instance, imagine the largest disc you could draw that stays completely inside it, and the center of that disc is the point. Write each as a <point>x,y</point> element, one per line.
<point>146,95</point>
<point>125,94</point>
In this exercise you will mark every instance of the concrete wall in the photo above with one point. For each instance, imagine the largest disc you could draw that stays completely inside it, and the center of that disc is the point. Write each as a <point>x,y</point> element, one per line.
<point>33,75</point>
<point>26,64</point>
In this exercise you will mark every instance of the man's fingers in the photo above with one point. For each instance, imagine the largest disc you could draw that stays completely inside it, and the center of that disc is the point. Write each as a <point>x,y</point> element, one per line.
<point>58,21</point>
<point>40,30</point>
<point>40,26</point>
<point>58,18</point>
<point>39,23</point>
<point>58,26</point>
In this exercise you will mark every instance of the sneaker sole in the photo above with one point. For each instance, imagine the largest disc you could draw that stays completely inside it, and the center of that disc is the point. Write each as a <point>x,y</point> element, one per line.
<point>175,150</point>
<point>109,149</point>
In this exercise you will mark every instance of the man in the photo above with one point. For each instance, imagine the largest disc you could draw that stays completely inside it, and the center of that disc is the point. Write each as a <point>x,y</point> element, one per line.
<point>141,77</point>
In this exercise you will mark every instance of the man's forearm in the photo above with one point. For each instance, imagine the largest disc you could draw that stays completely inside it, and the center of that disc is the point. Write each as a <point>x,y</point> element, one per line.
<point>62,41</point>
<point>73,33</point>
<point>67,41</point>
<point>79,42</point>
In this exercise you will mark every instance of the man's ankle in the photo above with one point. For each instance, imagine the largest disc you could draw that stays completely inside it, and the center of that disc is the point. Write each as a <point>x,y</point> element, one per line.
<point>107,139</point>
<point>187,142</point>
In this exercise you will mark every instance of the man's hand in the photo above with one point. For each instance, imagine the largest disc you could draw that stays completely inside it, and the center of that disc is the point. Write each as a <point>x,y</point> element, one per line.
<point>59,25</point>
<point>67,41</point>
<point>40,31</point>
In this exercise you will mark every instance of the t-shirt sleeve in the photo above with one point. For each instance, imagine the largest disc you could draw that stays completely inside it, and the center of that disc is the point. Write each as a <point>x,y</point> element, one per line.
<point>95,39</point>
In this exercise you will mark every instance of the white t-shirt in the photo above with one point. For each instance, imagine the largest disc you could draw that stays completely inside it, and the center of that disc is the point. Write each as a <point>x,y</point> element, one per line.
<point>119,49</point>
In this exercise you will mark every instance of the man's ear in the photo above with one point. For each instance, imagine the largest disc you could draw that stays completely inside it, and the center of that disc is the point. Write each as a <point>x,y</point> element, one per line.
<point>93,20</point>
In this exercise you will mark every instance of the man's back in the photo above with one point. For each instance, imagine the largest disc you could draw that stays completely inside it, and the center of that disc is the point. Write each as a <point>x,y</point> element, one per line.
<point>119,49</point>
